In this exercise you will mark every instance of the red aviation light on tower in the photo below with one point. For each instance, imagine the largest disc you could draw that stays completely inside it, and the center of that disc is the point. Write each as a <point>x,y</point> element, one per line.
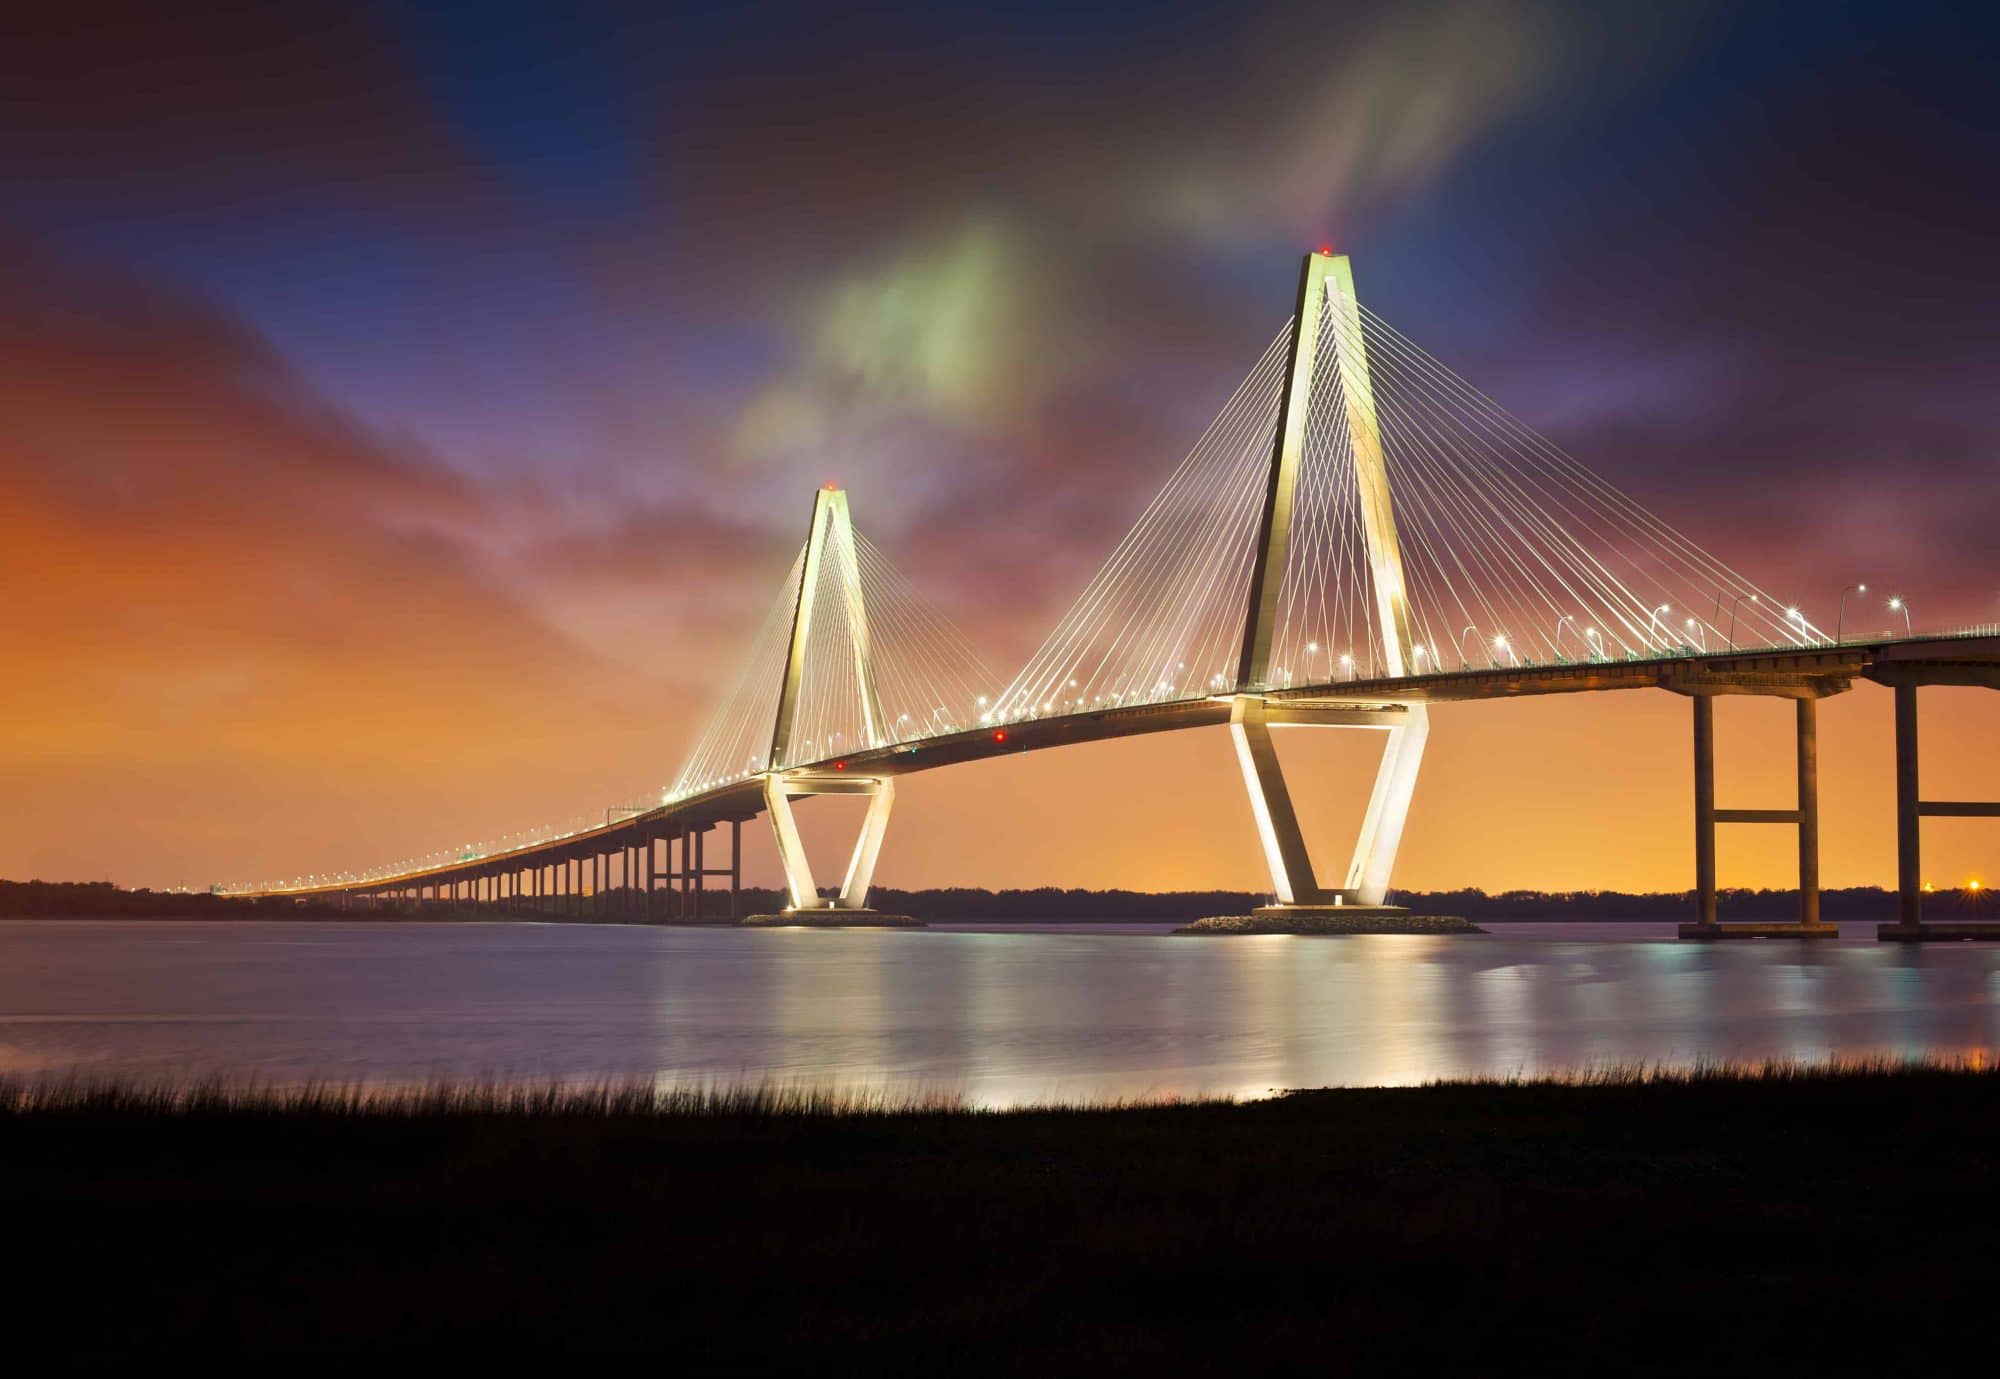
<point>1326,249</point>
<point>830,486</point>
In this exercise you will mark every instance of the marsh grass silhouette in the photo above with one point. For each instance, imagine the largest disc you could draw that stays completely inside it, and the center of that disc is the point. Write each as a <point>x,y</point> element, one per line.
<point>1628,1217</point>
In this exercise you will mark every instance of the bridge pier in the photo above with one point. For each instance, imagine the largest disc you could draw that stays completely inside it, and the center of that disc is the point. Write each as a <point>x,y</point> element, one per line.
<point>1911,810</point>
<point>1303,905</point>
<point>850,906</point>
<point>1804,816</point>
<point>1293,880</point>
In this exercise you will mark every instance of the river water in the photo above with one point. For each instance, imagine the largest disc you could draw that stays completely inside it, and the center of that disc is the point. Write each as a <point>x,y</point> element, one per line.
<point>1000,1015</point>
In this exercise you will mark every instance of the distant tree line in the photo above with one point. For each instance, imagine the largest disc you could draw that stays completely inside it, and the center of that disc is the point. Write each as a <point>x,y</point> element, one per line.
<point>974,905</point>
<point>102,900</point>
<point>1049,903</point>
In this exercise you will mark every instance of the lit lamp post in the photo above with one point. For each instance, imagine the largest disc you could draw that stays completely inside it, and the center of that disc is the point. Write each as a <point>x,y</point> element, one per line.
<point>1701,637</point>
<point>1654,621</point>
<point>1463,662</point>
<point>1840,614</point>
<point>1900,606</point>
<point>1559,633</point>
<point>1798,621</point>
<point>1732,616</point>
<point>1596,650</point>
<point>1505,648</point>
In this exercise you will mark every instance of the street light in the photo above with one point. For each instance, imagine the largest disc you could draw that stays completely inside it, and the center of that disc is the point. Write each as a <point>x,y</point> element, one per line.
<point>1655,619</point>
<point>1501,644</point>
<point>1462,662</point>
<point>1840,614</point>
<point>1793,615</point>
<point>1899,605</point>
<point>1701,636</point>
<point>1567,617</point>
<point>1596,651</point>
<point>1732,616</point>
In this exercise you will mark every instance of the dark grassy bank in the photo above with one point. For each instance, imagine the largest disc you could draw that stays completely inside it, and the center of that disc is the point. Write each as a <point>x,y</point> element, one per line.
<point>1740,1223</point>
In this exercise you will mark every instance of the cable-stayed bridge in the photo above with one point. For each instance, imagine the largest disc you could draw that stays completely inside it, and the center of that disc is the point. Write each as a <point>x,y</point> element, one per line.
<point>1358,535</point>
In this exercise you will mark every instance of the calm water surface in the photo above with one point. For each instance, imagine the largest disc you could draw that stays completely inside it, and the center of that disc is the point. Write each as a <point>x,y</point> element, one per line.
<point>998,1014</point>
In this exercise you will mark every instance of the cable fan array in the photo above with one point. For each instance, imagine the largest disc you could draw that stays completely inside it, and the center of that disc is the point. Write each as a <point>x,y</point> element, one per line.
<point>1163,619</point>
<point>1512,553</point>
<point>925,679</point>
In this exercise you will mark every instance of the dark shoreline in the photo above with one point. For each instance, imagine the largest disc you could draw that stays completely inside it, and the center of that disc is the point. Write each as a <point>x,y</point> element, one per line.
<point>1767,1219</point>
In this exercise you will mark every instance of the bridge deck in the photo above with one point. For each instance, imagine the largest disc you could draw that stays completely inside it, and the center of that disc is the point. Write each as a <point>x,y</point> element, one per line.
<point>1794,673</point>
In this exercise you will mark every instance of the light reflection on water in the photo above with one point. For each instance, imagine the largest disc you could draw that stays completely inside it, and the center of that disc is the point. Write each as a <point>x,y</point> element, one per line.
<point>1001,1016</point>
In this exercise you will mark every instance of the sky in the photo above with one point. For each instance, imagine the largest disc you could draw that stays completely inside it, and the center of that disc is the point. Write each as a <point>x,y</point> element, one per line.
<point>406,412</point>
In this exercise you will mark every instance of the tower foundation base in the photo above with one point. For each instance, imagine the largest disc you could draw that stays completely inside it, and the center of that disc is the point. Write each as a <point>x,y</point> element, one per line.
<point>1710,933</point>
<point>1331,920</point>
<point>1940,931</point>
<point>831,919</point>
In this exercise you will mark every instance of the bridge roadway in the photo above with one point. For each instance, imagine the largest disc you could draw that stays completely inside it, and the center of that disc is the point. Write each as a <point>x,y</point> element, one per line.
<point>553,872</point>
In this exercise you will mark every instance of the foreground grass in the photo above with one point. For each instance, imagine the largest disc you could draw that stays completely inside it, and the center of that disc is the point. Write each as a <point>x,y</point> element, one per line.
<point>1742,1218</point>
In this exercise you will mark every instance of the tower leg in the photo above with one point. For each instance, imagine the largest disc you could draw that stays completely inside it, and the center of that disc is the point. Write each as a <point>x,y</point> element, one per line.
<point>1388,808</point>
<point>1285,855</point>
<point>799,887</point>
<point>861,864</point>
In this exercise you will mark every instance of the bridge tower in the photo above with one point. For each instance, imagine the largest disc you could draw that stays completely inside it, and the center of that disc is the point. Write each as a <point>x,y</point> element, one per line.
<point>1328,318</point>
<point>830,553</point>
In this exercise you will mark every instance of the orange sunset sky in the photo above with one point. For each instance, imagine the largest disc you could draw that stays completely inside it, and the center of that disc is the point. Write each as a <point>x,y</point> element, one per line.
<point>402,427</point>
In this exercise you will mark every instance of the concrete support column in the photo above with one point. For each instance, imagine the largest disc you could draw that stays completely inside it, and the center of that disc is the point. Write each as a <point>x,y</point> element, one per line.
<point>649,867</point>
<point>1909,838</point>
<point>1808,715</point>
<point>677,874</point>
<point>736,869</point>
<point>1704,809</point>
